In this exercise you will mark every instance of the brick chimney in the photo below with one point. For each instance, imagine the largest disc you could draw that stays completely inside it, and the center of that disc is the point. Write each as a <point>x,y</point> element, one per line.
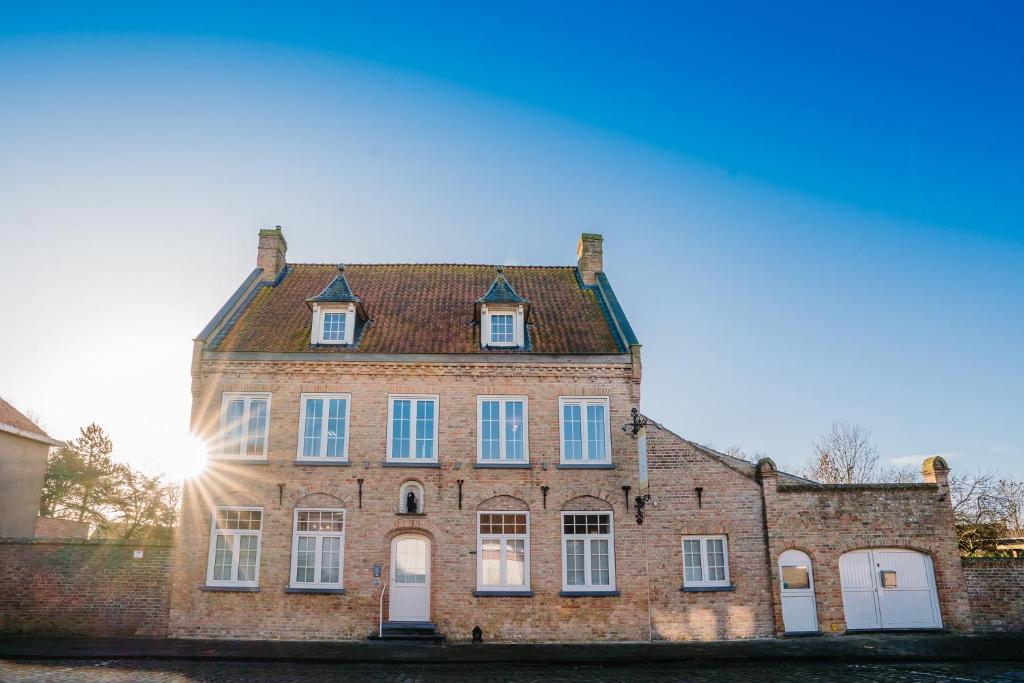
<point>271,253</point>
<point>590,257</point>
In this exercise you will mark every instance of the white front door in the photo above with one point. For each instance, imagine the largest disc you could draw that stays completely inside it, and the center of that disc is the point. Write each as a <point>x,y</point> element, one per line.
<point>799,610</point>
<point>410,578</point>
<point>889,588</point>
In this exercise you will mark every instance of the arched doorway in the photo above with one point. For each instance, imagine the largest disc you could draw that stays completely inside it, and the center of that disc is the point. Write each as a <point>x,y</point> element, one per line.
<point>410,578</point>
<point>796,577</point>
<point>889,588</point>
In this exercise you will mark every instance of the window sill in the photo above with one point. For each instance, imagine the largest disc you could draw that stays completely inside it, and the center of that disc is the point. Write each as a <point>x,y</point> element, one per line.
<point>502,466</point>
<point>411,514</point>
<point>395,463</point>
<point>239,461</point>
<point>589,594</point>
<point>585,466</point>
<point>230,589</point>
<point>708,589</point>
<point>331,591</point>
<point>502,594</point>
<point>322,463</point>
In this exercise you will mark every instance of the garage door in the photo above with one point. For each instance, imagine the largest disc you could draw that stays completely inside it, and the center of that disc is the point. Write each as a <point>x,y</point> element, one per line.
<point>889,588</point>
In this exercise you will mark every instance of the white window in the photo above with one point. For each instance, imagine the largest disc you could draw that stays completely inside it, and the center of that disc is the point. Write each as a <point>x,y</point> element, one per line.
<point>588,551</point>
<point>235,547</point>
<point>503,551</point>
<point>318,548</point>
<point>244,422</point>
<point>586,439</point>
<point>705,561</point>
<point>412,429</point>
<point>501,326</point>
<point>501,429</point>
<point>323,427</point>
<point>333,323</point>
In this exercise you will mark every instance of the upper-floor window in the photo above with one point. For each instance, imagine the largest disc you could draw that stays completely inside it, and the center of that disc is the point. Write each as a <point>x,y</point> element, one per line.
<point>588,551</point>
<point>235,535</point>
<point>323,427</point>
<point>501,429</point>
<point>333,323</point>
<point>586,439</point>
<point>412,429</point>
<point>318,547</point>
<point>503,551</point>
<point>705,561</point>
<point>245,420</point>
<point>501,326</point>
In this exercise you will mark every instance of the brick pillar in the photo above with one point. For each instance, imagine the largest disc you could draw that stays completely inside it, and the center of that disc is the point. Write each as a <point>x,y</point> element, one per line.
<point>767,475</point>
<point>590,257</point>
<point>949,575</point>
<point>271,253</point>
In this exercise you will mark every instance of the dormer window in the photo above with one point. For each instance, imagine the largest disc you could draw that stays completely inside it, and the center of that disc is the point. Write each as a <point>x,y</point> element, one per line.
<point>333,324</point>
<point>333,327</point>
<point>502,314</point>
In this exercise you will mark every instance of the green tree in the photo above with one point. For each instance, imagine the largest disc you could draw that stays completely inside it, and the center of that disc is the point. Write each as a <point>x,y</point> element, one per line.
<point>79,480</point>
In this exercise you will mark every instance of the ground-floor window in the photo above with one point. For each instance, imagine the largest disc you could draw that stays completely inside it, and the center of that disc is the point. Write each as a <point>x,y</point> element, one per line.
<point>503,551</point>
<point>235,534</point>
<point>318,547</point>
<point>705,561</point>
<point>588,551</point>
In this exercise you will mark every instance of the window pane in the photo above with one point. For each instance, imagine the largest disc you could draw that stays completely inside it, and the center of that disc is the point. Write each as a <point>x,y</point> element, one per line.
<point>489,431</point>
<point>515,562</point>
<point>425,429</point>
<point>233,426</point>
<point>247,545</point>
<point>514,430</point>
<point>401,417</point>
<point>336,428</point>
<point>575,569</point>
<point>257,426</point>
<point>599,573</point>
<point>410,561</point>
<point>692,561</point>
<point>595,432</point>
<point>305,557</point>
<point>572,431</point>
<point>330,560</point>
<point>222,557</point>
<point>716,559</point>
<point>311,430</point>
<point>334,327</point>
<point>490,562</point>
<point>795,577</point>
<point>501,329</point>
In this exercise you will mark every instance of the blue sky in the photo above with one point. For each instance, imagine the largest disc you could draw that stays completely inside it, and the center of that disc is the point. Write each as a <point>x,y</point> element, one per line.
<point>811,214</point>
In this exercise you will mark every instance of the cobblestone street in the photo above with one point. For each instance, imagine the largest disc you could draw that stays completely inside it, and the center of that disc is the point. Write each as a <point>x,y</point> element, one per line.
<point>127,671</point>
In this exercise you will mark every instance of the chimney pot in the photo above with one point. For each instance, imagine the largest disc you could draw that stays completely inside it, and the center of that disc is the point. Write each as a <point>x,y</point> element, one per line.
<point>590,257</point>
<point>271,253</point>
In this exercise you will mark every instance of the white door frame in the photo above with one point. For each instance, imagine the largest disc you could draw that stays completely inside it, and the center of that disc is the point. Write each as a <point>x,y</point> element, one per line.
<point>799,603</point>
<point>401,593</point>
<point>876,606</point>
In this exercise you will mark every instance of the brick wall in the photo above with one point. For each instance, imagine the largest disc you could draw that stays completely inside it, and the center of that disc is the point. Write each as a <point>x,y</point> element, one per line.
<point>50,527</point>
<point>995,589</point>
<point>93,588</point>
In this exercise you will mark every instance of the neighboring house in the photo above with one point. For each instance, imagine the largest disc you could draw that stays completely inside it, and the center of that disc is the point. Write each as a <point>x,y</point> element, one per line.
<point>24,447</point>
<point>455,447</point>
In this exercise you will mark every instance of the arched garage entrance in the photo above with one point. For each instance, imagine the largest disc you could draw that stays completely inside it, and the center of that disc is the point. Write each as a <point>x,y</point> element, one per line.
<point>889,588</point>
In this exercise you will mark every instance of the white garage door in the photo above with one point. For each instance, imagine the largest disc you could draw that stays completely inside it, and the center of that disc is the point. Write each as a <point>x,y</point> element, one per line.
<point>889,588</point>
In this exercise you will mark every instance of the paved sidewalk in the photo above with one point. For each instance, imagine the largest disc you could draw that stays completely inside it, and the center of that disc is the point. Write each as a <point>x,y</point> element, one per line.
<point>852,648</point>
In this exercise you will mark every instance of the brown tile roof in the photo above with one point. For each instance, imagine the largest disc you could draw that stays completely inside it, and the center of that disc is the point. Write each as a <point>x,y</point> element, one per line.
<point>12,417</point>
<point>426,308</point>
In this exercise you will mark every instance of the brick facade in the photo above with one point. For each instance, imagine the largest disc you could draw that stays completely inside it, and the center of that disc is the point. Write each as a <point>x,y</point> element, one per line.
<point>995,590</point>
<point>84,587</point>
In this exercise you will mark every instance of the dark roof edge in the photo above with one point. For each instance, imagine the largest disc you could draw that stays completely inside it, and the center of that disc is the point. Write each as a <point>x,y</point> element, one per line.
<point>26,434</point>
<point>227,308</point>
<point>618,315</point>
<point>442,358</point>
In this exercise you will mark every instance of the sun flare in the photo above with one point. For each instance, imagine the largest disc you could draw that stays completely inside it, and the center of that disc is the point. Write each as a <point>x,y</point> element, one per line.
<point>187,460</point>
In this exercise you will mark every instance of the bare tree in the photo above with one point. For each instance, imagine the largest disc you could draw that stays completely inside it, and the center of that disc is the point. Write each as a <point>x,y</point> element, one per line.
<point>977,527</point>
<point>845,455</point>
<point>1006,500</point>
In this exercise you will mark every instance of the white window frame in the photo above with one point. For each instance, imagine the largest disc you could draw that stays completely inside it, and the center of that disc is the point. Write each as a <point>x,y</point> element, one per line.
<point>236,535</point>
<point>705,582</point>
<point>504,587</point>
<point>226,398</point>
<point>503,455</point>
<point>415,398</point>
<point>316,333</point>
<point>518,328</point>
<point>318,552</point>
<point>583,402</point>
<point>589,587</point>
<point>323,457</point>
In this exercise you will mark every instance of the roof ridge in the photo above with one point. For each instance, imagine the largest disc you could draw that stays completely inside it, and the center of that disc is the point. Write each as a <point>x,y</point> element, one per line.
<point>468,265</point>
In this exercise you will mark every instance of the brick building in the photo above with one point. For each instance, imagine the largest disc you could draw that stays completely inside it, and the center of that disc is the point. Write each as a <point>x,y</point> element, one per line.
<point>455,447</point>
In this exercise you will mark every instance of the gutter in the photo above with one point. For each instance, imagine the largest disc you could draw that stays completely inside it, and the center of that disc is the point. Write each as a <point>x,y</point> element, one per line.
<point>42,438</point>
